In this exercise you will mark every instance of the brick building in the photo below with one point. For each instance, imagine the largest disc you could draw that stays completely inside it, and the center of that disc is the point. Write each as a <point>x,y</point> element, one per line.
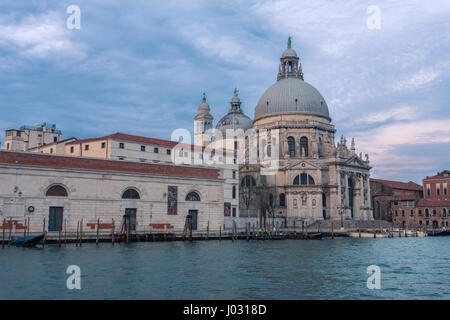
<point>387,194</point>
<point>428,212</point>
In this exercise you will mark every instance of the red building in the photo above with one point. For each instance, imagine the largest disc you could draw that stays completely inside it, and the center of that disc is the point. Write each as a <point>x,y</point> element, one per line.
<point>429,212</point>
<point>387,193</point>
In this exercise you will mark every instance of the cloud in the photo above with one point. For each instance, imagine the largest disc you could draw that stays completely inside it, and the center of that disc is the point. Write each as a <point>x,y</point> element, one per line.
<point>416,80</point>
<point>387,146</point>
<point>398,113</point>
<point>40,36</point>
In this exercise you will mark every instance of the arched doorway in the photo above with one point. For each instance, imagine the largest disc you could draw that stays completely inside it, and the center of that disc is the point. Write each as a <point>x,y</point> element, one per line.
<point>129,218</point>
<point>55,215</point>
<point>193,214</point>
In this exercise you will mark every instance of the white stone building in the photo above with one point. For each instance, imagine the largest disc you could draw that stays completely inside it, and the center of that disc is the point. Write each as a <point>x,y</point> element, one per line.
<point>65,190</point>
<point>315,179</point>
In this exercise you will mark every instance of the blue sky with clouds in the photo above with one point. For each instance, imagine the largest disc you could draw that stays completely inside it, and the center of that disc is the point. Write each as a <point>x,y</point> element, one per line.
<point>140,67</point>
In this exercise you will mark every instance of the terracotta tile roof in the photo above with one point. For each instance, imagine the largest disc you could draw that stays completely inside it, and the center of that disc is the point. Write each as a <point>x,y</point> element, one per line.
<point>56,161</point>
<point>399,185</point>
<point>440,175</point>
<point>129,137</point>
<point>433,203</point>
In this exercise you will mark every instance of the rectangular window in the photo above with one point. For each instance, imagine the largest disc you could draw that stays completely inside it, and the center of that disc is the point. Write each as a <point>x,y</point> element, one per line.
<point>143,148</point>
<point>55,139</point>
<point>155,150</point>
<point>395,203</point>
<point>7,146</point>
<point>121,145</point>
<point>51,150</point>
<point>234,174</point>
<point>233,192</point>
<point>86,147</point>
<point>168,151</point>
<point>234,212</point>
<point>103,145</point>
<point>71,149</point>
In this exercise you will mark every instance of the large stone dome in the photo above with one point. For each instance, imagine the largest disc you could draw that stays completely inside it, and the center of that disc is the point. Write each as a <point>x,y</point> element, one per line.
<point>291,95</point>
<point>235,118</point>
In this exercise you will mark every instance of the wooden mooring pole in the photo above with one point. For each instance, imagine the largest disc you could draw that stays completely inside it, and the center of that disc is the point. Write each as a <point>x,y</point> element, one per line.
<point>359,227</point>
<point>112,232</point>
<point>373,229</point>
<point>59,235</point>
<point>10,230</point>
<point>65,231</point>
<point>28,227</point>
<point>220,233</point>
<point>98,227</point>
<point>25,229</point>
<point>45,233</point>
<point>81,232</point>
<point>332,230</point>
<point>3,232</point>
<point>128,231</point>
<point>78,233</point>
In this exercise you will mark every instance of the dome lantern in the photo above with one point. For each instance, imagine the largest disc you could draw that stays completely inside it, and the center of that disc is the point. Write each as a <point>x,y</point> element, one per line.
<point>289,65</point>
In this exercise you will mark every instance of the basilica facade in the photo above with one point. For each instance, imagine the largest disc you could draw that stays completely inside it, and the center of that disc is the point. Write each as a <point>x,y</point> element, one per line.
<point>315,178</point>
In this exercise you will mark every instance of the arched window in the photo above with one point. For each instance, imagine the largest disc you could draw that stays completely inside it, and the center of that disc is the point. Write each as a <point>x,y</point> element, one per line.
<point>130,193</point>
<point>248,181</point>
<point>304,146</point>
<point>291,146</point>
<point>304,178</point>
<point>56,191</point>
<point>271,199</point>
<point>427,212</point>
<point>192,196</point>
<point>444,212</point>
<point>282,200</point>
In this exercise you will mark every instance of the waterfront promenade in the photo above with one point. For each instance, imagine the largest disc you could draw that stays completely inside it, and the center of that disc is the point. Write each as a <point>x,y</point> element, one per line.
<point>96,233</point>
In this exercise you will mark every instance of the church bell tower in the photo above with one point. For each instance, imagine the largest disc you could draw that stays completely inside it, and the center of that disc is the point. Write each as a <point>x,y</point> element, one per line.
<point>203,124</point>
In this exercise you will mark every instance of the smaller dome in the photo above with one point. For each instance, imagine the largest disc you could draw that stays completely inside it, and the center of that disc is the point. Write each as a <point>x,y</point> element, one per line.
<point>235,119</point>
<point>289,52</point>
<point>203,106</point>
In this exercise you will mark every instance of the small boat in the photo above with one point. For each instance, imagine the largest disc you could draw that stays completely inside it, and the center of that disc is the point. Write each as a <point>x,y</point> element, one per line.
<point>271,237</point>
<point>367,235</point>
<point>315,236</point>
<point>27,241</point>
<point>433,233</point>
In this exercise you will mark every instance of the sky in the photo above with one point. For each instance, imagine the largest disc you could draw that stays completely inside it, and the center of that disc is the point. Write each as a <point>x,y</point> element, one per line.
<point>140,67</point>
